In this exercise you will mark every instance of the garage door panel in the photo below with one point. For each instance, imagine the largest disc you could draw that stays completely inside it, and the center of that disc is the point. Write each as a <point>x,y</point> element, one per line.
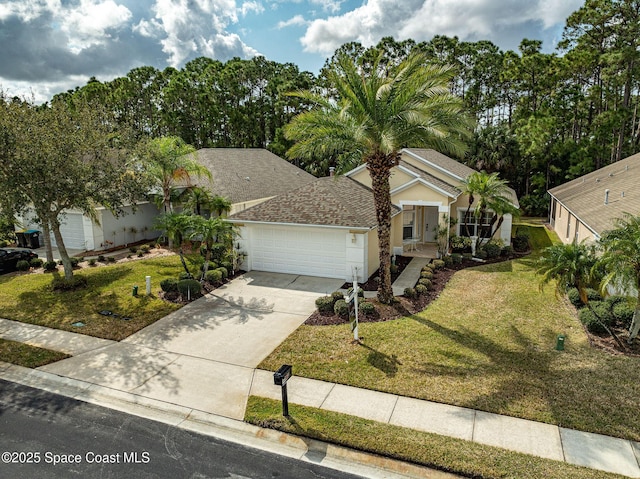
<point>296,250</point>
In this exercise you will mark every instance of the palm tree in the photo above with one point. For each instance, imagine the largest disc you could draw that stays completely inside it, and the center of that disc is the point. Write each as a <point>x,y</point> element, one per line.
<point>572,265</point>
<point>374,115</point>
<point>211,231</point>
<point>220,205</point>
<point>174,226</point>
<point>492,194</point>
<point>170,162</point>
<point>621,259</point>
<point>197,200</point>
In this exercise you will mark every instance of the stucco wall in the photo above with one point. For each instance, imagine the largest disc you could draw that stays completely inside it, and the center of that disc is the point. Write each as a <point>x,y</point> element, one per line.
<point>568,227</point>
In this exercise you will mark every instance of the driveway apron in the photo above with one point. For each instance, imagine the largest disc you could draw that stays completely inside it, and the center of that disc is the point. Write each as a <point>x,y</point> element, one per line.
<point>203,355</point>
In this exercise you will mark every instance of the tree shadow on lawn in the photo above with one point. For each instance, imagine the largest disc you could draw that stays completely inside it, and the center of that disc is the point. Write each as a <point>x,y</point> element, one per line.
<point>379,360</point>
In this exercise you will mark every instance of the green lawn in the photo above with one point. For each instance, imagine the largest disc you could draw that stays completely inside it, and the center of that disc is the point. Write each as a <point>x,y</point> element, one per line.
<point>27,356</point>
<point>488,343</point>
<point>445,453</point>
<point>29,298</point>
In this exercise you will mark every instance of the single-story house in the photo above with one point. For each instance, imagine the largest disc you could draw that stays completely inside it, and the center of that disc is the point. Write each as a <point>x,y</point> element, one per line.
<point>583,208</point>
<point>248,176</point>
<point>329,227</point>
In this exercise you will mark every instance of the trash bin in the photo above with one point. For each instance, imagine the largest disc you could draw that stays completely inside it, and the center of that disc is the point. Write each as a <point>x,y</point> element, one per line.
<point>22,241</point>
<point>32,239</point>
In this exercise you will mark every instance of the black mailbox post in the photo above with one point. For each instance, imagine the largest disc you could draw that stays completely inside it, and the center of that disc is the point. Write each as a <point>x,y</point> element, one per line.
<point>280,378</point>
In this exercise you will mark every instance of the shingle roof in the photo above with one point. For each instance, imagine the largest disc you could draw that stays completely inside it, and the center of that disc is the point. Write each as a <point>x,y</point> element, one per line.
<point>452,167</point>
<point>584,196</point>
<point>245,174</point>
<point>452,190</point>
<point>442,161</point>
<point>329,201</point>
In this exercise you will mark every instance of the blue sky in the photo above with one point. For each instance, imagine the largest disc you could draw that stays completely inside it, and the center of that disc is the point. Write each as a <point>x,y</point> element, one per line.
<point>49,46</point>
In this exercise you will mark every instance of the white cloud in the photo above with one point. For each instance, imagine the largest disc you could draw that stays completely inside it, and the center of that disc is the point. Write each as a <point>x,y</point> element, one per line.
<point>89,23</point>
<point>332,6</point>
<point>248,7</point>
<point>422,19</point>
<point>196,27</point>
<point>293,21</point>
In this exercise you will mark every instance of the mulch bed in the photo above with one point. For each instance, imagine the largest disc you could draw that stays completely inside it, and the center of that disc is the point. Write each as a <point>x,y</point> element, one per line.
<point>403,306</point>
<point>372,282</point>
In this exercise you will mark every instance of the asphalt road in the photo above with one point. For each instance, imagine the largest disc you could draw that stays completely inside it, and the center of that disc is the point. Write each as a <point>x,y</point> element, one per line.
<point>44,435</point>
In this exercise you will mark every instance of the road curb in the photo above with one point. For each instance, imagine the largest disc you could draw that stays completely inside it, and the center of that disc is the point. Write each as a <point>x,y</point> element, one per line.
<point>289,445</point>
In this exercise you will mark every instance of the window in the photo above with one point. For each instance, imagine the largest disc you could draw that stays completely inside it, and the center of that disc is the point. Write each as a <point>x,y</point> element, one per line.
<point>472,226</point>
<point>409,220</point>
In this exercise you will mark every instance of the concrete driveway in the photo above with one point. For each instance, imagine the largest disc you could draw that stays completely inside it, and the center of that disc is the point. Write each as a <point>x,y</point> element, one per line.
<point>203,355</point>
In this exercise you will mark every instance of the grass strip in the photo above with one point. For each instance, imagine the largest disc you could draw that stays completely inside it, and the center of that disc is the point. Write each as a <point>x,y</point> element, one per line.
<point>28,356</point>
<point>439,452</point>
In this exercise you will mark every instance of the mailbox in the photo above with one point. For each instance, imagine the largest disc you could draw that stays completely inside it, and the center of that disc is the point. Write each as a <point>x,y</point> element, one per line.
<point>282,375</point>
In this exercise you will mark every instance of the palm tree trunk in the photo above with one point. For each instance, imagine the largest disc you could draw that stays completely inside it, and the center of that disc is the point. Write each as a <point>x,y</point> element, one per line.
<point>635,323</point>
<point>380,171</point>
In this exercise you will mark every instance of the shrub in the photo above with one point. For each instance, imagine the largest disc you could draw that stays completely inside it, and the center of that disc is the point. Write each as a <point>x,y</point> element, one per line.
<point>223,271</point>
<point>421,289</point>
<point>63,284</point>
<point>482,254</point>
<point>574,297</point>
<point>588,318</point>
<point>101,258</point>
<point>185,275</point>
<point>169,285</point>
<point>145,248</point>
<point>36,262</point>
<point>426,274</point>
<point>593,295</point>
<point>448,260</point>
<point>459,243</point>
<point>50,266</point>
<point>228,265</point>
<point>623,313</point>
<point>140,254</point>
<point>410,292</point>
<point>75,261</point>
<point>467,255</point>
<point>438,264</point>
<point>366,308</point>
<point>425,282</point>
<point>341,308</point>
<point>428,268</point>
<point>325,304</point>
<point>492,249</point>
<point>133,249</point>
<point>111,259</point>
<point>213,276</point>
<point>520,242</point>
<point>506,251</point>
<point>190,288</point>
<point>23,265</point>
<point>336,295</point>
<point>92,262</point>
<point>456,258</point>
<point>393,268</point>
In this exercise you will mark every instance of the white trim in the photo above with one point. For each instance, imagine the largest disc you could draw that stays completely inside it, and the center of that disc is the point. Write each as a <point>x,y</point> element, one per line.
<point>596,234</point>
<point>419,203</point>
<point>424,183</point>
<point>433,165</point>
<point>357,169</point>
<point>406,170</point>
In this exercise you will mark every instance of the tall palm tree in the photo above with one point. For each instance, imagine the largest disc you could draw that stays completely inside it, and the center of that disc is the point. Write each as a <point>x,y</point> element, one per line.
<point>374,114</point>
<point>197,200</point>
<point>621,259</point>
<point>492,194</point>
<point>573,265</point>
<point>220,205</point>
<point>170,162</point>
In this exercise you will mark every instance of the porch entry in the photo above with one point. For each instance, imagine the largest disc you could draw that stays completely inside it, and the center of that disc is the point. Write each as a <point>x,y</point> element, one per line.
<point>419,223</point>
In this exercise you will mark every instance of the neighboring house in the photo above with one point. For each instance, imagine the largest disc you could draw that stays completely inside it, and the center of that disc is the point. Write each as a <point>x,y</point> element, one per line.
<point>329,228</point>
<point>248,176</point>
<point>583,208</point>
<point>80,232</point>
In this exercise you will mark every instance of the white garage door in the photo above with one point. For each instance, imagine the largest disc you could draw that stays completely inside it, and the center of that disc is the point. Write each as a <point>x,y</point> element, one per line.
<point>299,250</point>
<point>72,232</point>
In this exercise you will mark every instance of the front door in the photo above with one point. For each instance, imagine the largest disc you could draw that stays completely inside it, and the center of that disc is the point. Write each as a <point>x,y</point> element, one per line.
<point>430,223</point>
